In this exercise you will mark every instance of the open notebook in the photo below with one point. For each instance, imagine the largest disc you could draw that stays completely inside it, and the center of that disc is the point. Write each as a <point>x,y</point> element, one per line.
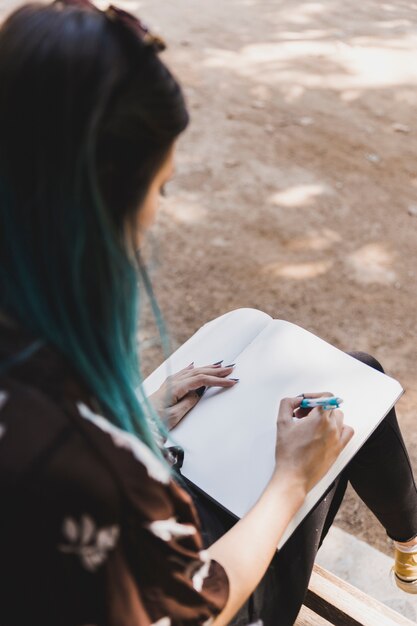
<point>229,436</point>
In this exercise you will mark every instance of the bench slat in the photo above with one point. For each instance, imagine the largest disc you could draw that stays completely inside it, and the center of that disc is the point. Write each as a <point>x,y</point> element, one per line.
<point>307,617</point>
<point>344,605</point>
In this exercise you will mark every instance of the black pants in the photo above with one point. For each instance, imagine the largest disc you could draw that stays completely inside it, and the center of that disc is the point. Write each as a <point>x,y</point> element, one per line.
<point>381,475</point>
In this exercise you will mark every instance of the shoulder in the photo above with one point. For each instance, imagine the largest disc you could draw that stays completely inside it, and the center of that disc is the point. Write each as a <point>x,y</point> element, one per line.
<point>30,423</point>
<point>43,455</point>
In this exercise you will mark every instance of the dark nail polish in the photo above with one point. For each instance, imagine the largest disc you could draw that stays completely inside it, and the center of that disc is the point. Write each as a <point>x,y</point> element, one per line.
<point>218,363</point>
<point>235,379</point>
<point>200,391</point>
<point>231,365</point>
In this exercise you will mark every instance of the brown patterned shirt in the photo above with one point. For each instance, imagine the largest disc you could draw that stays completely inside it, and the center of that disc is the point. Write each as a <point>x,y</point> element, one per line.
<point>93,529</point>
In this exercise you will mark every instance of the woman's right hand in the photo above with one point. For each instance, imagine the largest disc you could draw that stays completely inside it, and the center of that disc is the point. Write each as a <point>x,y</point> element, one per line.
<point>305,450</point>
<point>308,446</point>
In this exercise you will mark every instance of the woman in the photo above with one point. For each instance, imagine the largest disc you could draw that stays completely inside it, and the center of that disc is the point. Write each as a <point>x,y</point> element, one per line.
<point>95,526</point>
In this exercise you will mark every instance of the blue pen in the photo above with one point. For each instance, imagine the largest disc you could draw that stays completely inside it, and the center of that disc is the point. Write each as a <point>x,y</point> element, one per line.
<point>324,403</point>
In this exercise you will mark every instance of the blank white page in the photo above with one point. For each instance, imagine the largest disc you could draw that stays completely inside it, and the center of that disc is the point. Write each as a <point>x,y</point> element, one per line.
<point>222,338</point>
<point>229,437</point>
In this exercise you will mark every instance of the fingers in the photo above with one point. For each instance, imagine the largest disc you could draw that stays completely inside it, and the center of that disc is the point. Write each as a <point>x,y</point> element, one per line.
<point>175,413</point>
<point>299,413</point>
<point>287,407</point>
<point>192,378</point>
<point>192,383</point>
<point>335,418</point>
<point>346,436</point>
<point>326,420</point>
<point>345,433</point>
<point>212,370</point>
<point>183,387</point>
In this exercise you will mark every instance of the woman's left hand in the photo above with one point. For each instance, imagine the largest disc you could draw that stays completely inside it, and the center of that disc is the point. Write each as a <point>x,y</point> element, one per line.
<point>178,394</point>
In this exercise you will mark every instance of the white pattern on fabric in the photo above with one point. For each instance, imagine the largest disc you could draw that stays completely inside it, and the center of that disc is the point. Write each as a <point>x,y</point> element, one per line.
<point>204,556</point>
<point>122,439</point>
<point>89,542</point>
<point>202,573</point>
<point>3,399</point>
<point>4,396</point>
<point>164,621</point>
<point>168,529</point>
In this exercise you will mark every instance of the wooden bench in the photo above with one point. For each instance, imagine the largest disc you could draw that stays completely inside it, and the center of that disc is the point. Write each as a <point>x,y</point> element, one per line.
<point>332,602</point>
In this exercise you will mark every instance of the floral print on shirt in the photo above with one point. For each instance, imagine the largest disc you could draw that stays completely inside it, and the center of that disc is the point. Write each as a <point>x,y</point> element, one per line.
<point>90,543</point>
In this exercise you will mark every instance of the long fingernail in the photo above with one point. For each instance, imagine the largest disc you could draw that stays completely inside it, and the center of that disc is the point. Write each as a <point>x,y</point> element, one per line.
<point>235,379</point>
<point>218,363</point>
<point>231,365</point>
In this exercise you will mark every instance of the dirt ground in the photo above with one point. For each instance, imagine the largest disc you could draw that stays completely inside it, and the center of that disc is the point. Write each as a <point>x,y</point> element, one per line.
<point>296,184</point>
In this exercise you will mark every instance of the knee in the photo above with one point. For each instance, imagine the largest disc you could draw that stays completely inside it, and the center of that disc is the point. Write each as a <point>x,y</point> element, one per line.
<point>368,359</point>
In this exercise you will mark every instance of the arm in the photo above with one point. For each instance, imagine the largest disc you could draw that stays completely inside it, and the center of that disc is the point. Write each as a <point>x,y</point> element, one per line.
<point>247,549</point>
<point>305,451</point>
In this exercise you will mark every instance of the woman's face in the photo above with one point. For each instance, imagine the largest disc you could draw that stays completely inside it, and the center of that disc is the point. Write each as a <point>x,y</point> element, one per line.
<point>147,211</point>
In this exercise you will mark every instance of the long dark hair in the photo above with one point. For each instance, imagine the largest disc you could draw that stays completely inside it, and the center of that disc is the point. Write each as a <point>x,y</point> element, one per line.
<point>88,113</point>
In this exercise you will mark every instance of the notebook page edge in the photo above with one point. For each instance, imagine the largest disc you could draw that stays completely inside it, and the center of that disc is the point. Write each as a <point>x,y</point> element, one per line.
<point>155,378</point>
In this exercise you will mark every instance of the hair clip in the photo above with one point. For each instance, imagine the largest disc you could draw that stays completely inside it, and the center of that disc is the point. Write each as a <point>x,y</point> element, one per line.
<point>137,26</point>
